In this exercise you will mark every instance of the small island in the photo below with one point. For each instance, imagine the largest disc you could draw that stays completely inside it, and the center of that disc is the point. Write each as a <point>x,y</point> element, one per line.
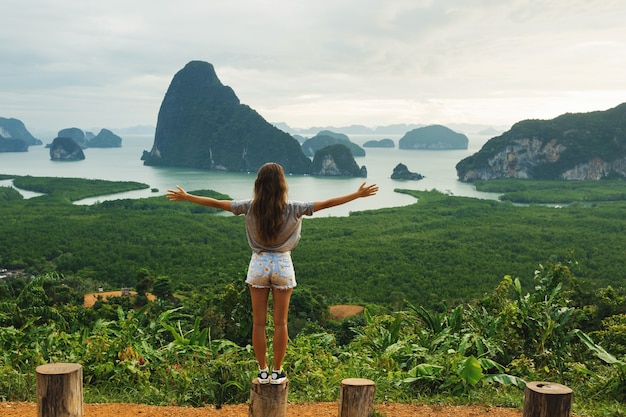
<point>66,149</point>
<point>336,161</point>
<point>104,139</point>
<point>434,137</point>
<point>401,172</point>
<point>382,143</point>
<point>327,138</point>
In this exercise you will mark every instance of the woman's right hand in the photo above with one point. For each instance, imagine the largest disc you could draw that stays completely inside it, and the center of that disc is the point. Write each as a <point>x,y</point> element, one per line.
<point>367,190</point>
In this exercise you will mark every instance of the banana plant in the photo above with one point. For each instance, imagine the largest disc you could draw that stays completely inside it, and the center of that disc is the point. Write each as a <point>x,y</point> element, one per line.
<point>616,385</point>
<point>193,337</point>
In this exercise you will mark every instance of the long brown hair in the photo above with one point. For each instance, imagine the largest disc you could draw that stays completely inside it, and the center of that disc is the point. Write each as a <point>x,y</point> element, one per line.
<point>270,200</point>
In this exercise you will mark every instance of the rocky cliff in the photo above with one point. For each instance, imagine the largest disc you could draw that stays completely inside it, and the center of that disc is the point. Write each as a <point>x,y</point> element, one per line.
<point>435,137</point>
<point>66,149</point>
<point>12,145</point>
<point>14,129</point>
<point>336,161</point>
<point>573,146</point>
<point>401,172</point>
<point>201,124</point>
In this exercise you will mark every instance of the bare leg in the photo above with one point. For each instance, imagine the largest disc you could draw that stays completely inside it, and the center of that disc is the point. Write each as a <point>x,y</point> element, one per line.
<point>259,297</point>
<point>281,335</point>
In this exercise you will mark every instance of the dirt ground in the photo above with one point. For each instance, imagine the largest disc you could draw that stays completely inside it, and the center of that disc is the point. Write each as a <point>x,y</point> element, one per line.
<point>340,312</point>
<point>91,298</point>
<point>241,410</point>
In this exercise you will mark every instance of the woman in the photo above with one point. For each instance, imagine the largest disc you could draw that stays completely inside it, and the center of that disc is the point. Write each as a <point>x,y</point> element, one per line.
<point>273,225</point>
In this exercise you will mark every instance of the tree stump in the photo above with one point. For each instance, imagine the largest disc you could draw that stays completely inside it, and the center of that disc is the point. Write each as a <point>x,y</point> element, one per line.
<point>60,390</point>
<point>356,398</point>
<point>547,399</point>
<point>268,400</point>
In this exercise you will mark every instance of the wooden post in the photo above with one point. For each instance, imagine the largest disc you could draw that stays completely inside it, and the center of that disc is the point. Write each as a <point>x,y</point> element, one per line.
<point>60,390</point>
<point>356,398</point>
<point>268,400</point>
<point>547,399</point>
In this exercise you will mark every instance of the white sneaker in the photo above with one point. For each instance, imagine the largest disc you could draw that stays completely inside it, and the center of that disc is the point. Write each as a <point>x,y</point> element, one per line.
<point>264,376</point>
<point>278,377</point>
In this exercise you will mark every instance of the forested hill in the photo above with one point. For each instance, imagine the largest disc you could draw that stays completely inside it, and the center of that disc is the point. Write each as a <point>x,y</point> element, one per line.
<point>573,146</point>
<point>202,124</point>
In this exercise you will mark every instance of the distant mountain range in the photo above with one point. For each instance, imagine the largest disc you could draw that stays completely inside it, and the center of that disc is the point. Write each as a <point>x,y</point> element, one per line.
<point>393,129</point>
<point>382,131</point>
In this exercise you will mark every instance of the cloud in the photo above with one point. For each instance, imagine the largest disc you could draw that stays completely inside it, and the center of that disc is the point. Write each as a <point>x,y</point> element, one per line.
<point>91,63</point>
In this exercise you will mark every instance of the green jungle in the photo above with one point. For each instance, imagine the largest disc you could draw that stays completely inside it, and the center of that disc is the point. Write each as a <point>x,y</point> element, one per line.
<point>465,299</point>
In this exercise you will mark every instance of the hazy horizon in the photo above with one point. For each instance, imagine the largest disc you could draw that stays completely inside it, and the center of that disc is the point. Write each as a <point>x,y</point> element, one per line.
<point>355,130</point>
<point>325,63</point>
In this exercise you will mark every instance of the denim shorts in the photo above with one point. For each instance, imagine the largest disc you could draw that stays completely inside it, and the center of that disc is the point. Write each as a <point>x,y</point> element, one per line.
<point>271,270</point>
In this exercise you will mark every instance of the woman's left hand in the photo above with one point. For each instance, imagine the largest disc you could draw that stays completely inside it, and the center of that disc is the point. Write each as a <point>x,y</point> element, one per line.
<point>177,195</point>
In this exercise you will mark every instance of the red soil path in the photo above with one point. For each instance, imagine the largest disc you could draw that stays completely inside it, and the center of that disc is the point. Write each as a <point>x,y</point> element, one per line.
<point>241,410</point>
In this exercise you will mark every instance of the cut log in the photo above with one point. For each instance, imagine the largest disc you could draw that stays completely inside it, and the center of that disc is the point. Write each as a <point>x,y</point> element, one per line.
<point>356,397</point>
<point>268,400</point>
<point>547,399</point>
<point>60,390</point>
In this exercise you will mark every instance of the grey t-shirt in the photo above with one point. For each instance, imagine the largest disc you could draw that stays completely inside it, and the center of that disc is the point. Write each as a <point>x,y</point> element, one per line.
<point>287,238</point>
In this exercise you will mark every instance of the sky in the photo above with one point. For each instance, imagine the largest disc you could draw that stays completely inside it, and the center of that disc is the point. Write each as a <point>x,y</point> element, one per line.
<point>94,63</point>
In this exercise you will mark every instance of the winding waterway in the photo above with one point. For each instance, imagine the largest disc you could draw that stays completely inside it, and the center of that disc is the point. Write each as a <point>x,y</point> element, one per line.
<point>124,164</point>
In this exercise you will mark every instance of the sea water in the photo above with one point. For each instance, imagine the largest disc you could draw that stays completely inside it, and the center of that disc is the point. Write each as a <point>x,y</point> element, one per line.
<point>124,164</point>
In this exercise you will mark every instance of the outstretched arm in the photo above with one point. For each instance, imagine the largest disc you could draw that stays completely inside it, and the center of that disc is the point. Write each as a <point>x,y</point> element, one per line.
<point>363,191</point>
<point>181,195</point>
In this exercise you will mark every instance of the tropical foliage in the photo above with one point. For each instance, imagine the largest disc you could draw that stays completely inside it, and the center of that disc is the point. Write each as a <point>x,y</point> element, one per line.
<point>554,192</point>
<point>465,301</point>
<point>443,248</point>
<point>164,352</point>
<point>75,188</point>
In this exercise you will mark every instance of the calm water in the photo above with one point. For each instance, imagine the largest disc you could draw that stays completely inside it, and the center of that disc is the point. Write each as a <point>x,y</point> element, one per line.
<point>124,164</point>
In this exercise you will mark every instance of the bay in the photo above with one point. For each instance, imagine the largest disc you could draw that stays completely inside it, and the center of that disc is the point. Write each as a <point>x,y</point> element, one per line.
<point>124,164</point>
